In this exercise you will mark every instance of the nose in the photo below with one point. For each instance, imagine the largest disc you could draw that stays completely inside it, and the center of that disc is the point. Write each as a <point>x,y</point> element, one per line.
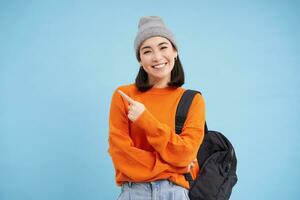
<point>156,56</point>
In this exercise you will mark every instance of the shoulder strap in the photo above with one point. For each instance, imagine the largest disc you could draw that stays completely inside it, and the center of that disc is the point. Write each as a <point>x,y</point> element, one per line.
<point>181,114</point>
<point>183,108</point>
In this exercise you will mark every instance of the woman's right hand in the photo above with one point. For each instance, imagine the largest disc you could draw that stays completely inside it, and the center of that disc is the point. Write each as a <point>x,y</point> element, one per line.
<point>135,108</point>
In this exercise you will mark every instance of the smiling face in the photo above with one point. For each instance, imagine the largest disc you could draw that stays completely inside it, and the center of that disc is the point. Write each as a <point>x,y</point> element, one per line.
<point>157,58</point>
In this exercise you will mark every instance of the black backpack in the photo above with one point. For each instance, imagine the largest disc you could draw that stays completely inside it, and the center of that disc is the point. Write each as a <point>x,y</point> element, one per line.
<point>216,159</point>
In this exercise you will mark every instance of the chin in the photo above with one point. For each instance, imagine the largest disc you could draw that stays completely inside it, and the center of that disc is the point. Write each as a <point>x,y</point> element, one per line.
<point>159,76</point>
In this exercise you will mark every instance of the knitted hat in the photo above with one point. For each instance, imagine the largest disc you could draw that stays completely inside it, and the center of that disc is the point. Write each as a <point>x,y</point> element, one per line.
<point>150,26</point>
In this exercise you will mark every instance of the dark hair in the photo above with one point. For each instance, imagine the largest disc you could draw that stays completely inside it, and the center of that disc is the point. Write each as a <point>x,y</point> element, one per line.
<point>177,77</point>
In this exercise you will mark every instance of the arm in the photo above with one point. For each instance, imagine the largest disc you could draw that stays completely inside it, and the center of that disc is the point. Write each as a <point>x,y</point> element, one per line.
<point>128,159</point>
<point>178,150</point>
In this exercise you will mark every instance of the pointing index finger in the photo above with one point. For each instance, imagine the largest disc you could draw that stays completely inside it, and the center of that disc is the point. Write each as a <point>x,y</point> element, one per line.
<point>127,98</point>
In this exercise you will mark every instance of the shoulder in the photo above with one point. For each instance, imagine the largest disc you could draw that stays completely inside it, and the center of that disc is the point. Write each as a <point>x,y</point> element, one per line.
<point>198,98</point>
<point>199,93</point>
<point>197,106</point>
<point>127,89</point>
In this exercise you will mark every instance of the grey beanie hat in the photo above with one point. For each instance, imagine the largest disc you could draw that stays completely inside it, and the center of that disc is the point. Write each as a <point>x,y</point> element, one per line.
<point>150,26</point>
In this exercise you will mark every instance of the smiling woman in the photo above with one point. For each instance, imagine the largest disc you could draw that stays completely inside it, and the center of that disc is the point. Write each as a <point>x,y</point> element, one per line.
<point>157,58</point>
<point>150,159</point>
<point>155,45</point>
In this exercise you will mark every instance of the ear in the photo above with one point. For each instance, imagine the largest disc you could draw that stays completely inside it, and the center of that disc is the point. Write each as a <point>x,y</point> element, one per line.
<point>176,53</point>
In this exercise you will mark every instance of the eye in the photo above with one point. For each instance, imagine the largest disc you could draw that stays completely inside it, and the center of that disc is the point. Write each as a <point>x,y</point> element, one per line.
<point>163,47</point>
<point>146,52</point>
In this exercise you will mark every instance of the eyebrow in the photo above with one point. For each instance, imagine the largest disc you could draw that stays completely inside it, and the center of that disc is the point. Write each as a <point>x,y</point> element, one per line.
<point>145,47</point>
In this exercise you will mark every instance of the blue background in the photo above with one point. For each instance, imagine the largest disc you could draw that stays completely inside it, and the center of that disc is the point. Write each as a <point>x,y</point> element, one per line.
<point>60,62</point>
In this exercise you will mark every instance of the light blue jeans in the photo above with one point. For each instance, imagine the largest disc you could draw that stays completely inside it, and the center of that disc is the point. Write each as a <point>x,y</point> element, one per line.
<point>156,190</point>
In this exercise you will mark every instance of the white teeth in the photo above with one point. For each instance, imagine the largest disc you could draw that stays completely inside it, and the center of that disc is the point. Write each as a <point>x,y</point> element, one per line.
<point>159,66</point>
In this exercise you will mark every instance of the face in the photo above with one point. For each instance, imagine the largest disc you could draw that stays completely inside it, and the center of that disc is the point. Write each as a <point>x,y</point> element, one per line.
<point>157,58</point>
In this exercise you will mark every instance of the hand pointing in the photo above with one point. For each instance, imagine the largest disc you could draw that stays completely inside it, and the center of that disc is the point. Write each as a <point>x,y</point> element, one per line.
<point>135,108</point>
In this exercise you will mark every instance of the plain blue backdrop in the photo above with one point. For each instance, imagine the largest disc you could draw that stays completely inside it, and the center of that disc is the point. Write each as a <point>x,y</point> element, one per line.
<point>60,62</point>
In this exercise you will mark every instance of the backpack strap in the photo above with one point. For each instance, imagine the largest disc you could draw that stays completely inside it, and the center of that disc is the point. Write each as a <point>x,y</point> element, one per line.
<point>183,108</point>
<point>181,114</point>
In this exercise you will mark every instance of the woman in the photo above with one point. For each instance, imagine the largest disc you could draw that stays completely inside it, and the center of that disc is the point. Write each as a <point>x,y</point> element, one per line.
<point>149,157</point>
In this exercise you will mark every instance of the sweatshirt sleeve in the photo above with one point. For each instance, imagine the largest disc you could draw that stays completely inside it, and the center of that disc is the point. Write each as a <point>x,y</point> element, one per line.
<point>178,150</point>
<point>127,158</point>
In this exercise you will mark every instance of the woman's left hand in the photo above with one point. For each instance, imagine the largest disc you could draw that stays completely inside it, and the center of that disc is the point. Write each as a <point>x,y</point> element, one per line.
<point>192,164</point>
<point>135,108</point>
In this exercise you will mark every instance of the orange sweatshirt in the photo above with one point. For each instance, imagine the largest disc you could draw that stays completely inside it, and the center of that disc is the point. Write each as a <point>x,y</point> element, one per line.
<point>149,148</point>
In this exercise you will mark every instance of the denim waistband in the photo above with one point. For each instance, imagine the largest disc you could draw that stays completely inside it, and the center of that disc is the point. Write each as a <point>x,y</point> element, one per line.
<point>154,190</point>
<point>148,185</point>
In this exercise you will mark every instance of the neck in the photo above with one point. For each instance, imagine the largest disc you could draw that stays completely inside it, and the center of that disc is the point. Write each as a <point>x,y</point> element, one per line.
<point>160,83</point>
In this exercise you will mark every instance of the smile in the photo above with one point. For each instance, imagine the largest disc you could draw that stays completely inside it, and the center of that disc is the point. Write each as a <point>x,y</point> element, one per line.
<point>159,66</point>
